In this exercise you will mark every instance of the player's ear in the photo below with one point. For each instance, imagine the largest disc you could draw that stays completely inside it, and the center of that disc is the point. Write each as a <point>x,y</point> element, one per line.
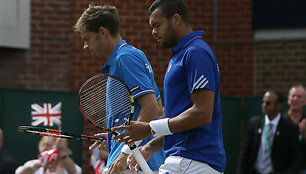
<point>102,32</point>
<point>176,20</point>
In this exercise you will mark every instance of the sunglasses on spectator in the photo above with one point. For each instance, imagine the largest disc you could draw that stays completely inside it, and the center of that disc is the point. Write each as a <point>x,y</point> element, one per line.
<point>267,102</point>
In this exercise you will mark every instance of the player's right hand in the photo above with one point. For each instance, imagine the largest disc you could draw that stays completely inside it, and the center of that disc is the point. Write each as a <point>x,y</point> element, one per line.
<point>132,163</point>
<point>136,131</point>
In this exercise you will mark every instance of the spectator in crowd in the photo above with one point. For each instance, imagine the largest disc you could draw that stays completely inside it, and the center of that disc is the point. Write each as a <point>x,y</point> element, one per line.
<point>54,159</point>
<point>296,101</point>
<point>271,143</point>
<point>8,164</point>
<point>98,159</point>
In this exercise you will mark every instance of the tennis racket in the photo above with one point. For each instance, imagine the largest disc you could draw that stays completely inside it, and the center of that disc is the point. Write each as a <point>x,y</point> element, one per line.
<point>57,133</point>
<point>106,102</point>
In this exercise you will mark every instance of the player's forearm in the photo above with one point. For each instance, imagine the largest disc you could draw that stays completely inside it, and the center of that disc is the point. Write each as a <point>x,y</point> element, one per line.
<point>154,145</point>
<point>147,114</point>
<point>190,119</point>
<point>199,114</point>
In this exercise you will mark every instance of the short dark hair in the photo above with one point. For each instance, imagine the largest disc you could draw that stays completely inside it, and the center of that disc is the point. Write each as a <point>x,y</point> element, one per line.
<point>279,96</point>
<point>171,7</point>
<point>95,17</point>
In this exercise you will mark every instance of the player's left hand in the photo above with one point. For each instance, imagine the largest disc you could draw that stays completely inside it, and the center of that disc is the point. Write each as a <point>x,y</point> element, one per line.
<point>132,163</point>
<point>102,145</point>
<point>119,165</point>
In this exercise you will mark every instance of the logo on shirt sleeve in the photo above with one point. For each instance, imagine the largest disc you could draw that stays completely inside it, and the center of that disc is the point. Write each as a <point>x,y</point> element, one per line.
<point>148,66</point>
<point>135,88</point>
<point>200,83</point>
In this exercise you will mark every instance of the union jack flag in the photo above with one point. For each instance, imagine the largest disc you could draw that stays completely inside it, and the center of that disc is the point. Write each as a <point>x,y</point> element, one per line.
<point>46,114</point>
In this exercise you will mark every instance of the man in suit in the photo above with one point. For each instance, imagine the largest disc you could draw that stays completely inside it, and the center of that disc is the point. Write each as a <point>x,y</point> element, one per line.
<point>271,144</point>
<point>7,164</point>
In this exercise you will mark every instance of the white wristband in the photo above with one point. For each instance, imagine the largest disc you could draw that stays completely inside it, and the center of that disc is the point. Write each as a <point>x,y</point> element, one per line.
<point>160,127</point>
<point>126,149</point>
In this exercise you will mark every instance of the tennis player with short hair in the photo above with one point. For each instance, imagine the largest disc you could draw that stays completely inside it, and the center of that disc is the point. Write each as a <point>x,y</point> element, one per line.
<point>99,29</point>
<point>191,133</point>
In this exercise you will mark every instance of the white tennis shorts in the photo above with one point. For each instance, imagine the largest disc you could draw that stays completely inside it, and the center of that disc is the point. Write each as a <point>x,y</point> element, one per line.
<point>180,165</point>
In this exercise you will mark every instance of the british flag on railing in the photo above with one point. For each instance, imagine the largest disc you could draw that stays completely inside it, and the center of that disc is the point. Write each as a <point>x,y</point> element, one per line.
<point>46,114</point>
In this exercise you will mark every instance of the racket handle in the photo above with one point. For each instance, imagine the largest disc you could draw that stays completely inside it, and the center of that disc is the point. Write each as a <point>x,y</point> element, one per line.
<point>141,161</point>
<point>135,144</point>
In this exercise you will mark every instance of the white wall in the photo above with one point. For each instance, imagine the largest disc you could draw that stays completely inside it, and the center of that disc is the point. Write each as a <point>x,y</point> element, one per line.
<point>15,23</point>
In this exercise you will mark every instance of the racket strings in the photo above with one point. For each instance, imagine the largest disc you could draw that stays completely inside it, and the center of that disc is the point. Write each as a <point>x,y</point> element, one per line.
<point>93,91</point>
<point>100,96</point>
<point>106,102</point>
<point>100,115</point>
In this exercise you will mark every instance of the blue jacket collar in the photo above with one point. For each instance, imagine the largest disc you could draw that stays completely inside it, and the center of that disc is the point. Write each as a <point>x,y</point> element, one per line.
<point>114,54</point>
<point>186,40</point>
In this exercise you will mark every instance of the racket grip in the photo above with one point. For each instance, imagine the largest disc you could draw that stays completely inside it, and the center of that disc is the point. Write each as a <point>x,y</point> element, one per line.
<point>136,144</point>
<point>141,161</point>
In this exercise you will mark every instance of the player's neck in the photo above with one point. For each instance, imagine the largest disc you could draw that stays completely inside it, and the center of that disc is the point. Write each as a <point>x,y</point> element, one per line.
<point>183,31</point>
<point>295,115</point>
<point>113,43</point>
